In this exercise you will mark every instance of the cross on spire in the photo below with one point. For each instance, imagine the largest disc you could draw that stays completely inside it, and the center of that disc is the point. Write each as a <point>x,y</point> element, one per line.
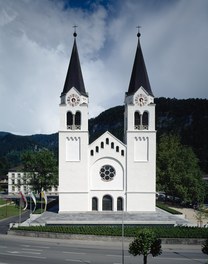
<point>75,33</point>
<point>138,34</point>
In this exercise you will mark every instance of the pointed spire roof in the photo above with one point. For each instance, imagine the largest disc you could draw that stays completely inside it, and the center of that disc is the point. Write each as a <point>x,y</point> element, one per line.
<point>74,74</point>
<point>139,75</point>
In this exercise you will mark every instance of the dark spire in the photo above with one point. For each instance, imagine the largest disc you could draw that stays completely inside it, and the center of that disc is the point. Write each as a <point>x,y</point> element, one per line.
<point>74,74</point>
<point>139,75</point>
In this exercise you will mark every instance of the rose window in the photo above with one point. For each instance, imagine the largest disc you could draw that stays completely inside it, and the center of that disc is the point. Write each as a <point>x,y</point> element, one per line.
<point>107,173</point>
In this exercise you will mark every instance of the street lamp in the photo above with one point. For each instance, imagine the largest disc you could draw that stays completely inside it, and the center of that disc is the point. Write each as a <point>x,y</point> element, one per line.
<point>123,236</point>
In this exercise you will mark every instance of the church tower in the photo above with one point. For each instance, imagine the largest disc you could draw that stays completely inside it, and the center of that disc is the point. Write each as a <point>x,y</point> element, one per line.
<point>73,139</point>
<point>140,138</point>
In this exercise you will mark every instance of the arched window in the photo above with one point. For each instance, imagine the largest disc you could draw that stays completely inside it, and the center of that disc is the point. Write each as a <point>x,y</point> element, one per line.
<point>97,149</point>
<point>117,148</point>
<point>137,120</point>
<point>107,203</point>
<point>107,141</point>
<point>122,152</point>
<point>92,152</point>
<point>102,144</point>
<point>145,120</point>
<point>120,204</point>
<point>69,120</point>
<point>112,145</point>
<point>94,204</point>
<point>78,120</point>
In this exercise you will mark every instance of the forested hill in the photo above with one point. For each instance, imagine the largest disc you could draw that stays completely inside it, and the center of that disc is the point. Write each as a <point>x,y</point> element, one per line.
<point>187,118</point>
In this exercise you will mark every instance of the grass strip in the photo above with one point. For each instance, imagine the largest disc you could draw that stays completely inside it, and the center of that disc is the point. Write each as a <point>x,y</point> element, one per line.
<point>8,211</point>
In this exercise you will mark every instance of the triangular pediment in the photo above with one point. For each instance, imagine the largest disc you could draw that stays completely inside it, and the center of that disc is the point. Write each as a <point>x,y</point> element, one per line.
<point>103,138</point>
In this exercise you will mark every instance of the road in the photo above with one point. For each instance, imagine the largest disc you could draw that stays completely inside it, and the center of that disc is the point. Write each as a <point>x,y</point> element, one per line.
<point>4,223</point>
<point>16,250</point>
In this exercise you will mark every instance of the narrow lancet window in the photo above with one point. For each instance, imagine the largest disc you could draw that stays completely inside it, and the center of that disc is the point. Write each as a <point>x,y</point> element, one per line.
<point>78,120</point>
<point>69,121</point>
<point>137,120</point>
<point>145,120</point>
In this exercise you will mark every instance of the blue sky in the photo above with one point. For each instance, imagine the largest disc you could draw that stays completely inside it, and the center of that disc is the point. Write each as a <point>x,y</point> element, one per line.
<point>36,37</point>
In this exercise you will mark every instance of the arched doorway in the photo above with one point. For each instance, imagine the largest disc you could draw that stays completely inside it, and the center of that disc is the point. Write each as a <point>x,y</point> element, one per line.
<point>107,203</point>
<point>94,204</point>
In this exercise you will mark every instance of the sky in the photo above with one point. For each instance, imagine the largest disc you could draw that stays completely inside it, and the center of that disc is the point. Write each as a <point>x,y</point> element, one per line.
<point>36,38</point>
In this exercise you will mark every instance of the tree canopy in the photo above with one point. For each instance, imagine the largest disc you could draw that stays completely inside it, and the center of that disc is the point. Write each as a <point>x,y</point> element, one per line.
<point>41,168</point>
<point>178,172</point>
<point>144,244</point>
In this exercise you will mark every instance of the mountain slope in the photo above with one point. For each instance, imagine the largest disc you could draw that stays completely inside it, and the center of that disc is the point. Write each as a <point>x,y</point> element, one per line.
<point>187,118</point>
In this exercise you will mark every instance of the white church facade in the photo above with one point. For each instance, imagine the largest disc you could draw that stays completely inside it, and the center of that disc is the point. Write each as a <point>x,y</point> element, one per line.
<point>107,175</point>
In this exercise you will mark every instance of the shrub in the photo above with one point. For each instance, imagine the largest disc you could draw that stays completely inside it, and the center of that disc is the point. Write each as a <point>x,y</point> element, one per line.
<point>167,209</point>
<point>205,247</point>
<point>129,231</point>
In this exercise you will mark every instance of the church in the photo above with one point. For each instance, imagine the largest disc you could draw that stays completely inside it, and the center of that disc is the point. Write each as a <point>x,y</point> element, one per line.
<point>107,175</point>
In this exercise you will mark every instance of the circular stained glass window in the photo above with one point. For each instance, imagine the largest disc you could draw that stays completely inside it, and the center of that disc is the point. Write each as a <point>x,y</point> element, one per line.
<point>107,172</point>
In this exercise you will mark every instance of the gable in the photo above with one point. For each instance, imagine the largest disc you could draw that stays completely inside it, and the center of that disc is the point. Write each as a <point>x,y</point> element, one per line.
<point>107,145</point>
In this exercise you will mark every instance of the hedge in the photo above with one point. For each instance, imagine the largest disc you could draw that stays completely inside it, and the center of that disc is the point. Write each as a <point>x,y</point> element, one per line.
<point>129,231</point>
<point>168,209</point>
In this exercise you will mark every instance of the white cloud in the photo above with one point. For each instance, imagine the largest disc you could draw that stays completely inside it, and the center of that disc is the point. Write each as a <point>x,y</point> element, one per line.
<point>35,47</point>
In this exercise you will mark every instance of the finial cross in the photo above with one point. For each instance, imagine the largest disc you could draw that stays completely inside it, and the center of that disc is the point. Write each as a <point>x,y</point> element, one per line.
<point>75,26</point>
<point>138,28</point>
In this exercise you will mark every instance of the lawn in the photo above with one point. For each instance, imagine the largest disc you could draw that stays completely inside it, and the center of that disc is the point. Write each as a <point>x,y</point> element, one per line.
<point>8,210</point>
<point>2,202</point>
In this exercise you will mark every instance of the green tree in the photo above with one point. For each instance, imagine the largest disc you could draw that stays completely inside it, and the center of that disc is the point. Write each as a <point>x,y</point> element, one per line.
<point>145,243</point>
<point>178,172</point>
<point>4,166</point>
<point>201,214</point>
<point>40,169</point>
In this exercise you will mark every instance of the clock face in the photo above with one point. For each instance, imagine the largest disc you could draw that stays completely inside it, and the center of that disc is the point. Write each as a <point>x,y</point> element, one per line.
<point>141,99</point>
<point>73,99</point>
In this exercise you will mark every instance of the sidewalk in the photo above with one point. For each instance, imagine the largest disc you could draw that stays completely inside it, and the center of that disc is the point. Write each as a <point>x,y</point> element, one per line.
<point>190,215</point>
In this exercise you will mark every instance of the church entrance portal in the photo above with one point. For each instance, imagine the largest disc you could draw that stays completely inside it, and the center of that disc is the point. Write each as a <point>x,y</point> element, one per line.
<point>107,203</point>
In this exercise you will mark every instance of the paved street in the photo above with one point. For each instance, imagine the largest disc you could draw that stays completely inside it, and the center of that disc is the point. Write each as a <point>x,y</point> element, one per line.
<point>15,250</point>
<point>4,223</point>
